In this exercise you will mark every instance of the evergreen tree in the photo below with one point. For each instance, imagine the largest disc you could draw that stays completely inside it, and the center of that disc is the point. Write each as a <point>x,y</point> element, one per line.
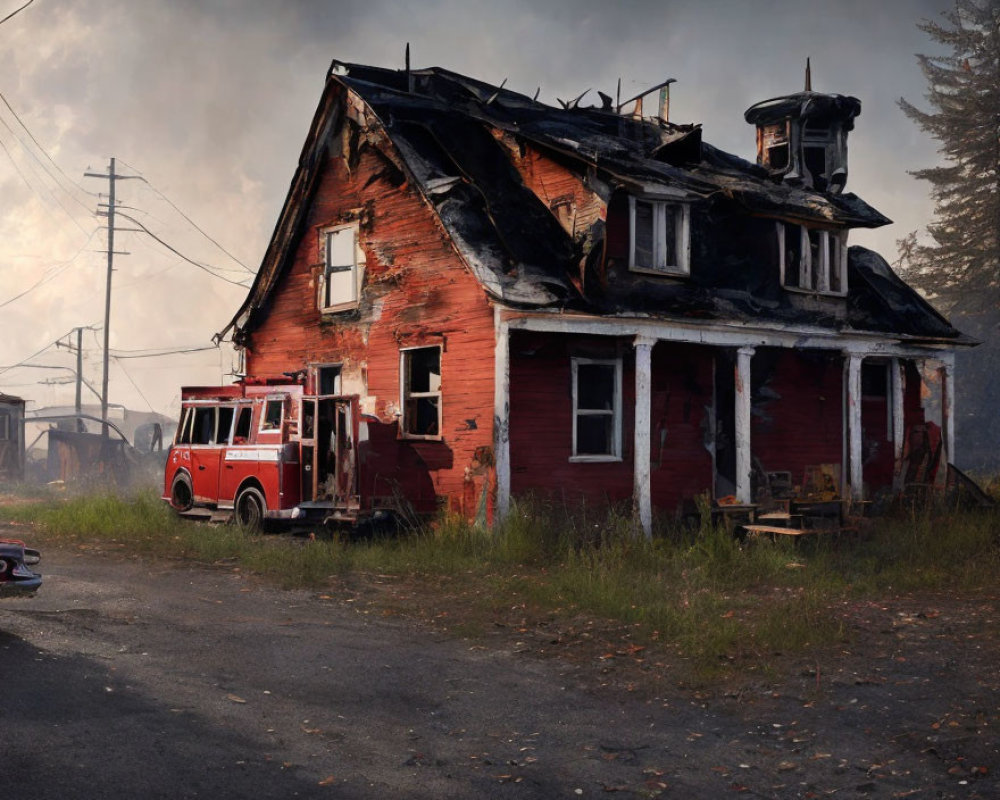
<point>960,266</point>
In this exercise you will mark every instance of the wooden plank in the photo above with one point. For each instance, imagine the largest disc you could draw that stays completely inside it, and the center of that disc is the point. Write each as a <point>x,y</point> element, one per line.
<point>774,529</point>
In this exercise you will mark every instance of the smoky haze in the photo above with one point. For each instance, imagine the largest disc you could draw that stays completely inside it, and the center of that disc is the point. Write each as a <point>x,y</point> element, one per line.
<point>210,102</point>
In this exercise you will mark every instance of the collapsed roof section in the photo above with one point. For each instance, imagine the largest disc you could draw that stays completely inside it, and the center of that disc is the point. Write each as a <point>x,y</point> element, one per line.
<point>445,130</point>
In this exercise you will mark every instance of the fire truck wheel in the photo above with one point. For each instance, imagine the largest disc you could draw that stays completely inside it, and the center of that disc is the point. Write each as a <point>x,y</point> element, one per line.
<point>249,509</point>
<point>181,493</point>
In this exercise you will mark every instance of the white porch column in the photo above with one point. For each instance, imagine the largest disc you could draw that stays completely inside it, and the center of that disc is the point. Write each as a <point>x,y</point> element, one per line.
<point>743,457</point>
<point>855,475</point>
<point>641,450</point>
<point>947,374</point>
<point>897,376</point>
<point>501,413</point>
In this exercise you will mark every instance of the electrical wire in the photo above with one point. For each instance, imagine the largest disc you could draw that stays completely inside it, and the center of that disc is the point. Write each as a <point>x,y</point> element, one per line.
<point>178,253</point>
<point>45,169</point>
<point>62,266</point>
<point>31,186</point>
<point>15,13</point>
<point>186,217</point>
<point>33,355</point>
<point>133,354</point>
<point>45,153</point>
<point>134,384</point>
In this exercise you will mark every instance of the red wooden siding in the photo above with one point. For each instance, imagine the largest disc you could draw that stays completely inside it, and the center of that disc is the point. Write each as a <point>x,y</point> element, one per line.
<point>541,421</point>
<point>417,292</point>
<point>541,427</point>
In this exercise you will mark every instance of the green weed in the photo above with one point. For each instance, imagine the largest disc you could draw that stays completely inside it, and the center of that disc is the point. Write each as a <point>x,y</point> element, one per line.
<point>724,604</point>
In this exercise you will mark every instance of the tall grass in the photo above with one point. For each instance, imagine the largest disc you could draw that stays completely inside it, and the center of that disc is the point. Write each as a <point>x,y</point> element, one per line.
<point>719,601</point>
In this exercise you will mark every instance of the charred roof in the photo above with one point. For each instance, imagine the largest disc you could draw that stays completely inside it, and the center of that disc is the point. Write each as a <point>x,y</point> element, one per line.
<point>445,129</point>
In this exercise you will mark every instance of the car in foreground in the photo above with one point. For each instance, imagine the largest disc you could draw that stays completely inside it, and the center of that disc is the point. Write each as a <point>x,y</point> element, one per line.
<point>15,576</point>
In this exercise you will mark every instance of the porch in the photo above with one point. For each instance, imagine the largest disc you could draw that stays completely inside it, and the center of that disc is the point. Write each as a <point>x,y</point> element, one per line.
<point>658,413</point>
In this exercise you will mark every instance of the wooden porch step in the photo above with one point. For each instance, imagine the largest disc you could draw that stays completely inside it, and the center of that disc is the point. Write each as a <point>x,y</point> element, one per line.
<point>780,531</point>
<point>782,518</point>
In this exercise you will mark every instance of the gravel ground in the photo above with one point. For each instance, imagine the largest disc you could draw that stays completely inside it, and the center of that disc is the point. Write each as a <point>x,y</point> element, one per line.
<point>134,678</point>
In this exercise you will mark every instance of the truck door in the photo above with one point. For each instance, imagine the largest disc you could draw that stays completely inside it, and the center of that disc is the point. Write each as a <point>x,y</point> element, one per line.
<point>206,452</point>
<point>335,454</point>
<point>238,455</point>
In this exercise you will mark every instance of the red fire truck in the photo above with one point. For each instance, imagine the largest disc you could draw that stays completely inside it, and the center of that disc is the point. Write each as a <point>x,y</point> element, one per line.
<point>263,453</point>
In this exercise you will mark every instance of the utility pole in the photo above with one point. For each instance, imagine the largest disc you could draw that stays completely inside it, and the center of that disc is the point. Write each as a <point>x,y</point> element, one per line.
<point>79,377</point>
<point>110,214</point>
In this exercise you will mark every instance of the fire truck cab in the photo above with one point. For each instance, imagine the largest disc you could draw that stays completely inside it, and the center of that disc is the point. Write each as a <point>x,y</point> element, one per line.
<point>260,453</point>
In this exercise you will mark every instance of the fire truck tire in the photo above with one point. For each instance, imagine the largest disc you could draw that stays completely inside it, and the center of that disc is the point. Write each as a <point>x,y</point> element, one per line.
<point>181,492</point>
<point>249,508</point>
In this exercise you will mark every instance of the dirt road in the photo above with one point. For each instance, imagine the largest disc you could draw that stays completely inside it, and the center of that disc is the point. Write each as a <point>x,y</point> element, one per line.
<point>128,678</point>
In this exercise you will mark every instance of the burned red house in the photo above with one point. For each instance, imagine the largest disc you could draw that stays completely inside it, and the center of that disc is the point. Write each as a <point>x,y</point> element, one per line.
<point>584,302</point>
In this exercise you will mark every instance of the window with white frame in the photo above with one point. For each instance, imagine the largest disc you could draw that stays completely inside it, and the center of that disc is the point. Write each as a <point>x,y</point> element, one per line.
<point>420,390</point>
<point>811,259</point>
<point>597,409</point>
<point>341,281</point>
<point>659,236</point>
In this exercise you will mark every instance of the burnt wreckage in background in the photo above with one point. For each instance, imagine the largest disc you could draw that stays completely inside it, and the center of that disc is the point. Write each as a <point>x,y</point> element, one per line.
<point>500,297</point>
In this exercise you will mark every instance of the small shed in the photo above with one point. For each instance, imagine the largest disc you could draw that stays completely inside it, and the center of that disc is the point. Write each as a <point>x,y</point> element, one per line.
<point>11,438</point>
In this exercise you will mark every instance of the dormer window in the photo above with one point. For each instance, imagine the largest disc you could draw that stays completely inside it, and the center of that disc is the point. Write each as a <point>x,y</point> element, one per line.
<point>812,260</point>
<point>659,236</point>
<point>342,271</point>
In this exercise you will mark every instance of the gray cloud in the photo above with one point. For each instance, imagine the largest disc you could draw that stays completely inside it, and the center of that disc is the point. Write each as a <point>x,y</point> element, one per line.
<point>211,102</point>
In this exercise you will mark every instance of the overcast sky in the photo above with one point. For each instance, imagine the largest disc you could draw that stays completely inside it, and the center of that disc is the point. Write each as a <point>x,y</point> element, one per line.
<point>210,100</point>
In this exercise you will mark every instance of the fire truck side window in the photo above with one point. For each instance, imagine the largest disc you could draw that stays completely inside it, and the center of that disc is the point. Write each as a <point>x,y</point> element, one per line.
<point>204,425</point>
<point>225,424</point>
<point>242,432</point>
<point>272,416</point>
<point>184,431</point>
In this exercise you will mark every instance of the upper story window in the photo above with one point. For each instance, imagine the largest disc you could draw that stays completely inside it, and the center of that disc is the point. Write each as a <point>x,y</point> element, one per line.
<point>812,260</point>
<point>597,409</point>
<point>659,236</point>
<point>342,270</point>
<point>420,387</point>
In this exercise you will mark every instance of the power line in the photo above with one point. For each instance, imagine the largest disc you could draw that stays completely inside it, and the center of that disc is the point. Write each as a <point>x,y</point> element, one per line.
<point>41,163</point>
<point>191,221</point>
<point>33,355</point>
<point>61,267</point>
<point>29,184</point>
<point>43,150</point>
<point>164,353</point>
<point>134,385</point>
<point>178,253</point>
<point>15,13</point>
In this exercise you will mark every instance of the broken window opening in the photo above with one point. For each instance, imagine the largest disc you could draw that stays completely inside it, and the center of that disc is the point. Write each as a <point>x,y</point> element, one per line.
<point>241,433</point>
<point>812,260</point>
<point>659,236</point>
<point>4,427</point>
<point>328,379</point>
<point>420,368</point>
<point>225,425</point>
<point>204,425</point>
<point>273,413</point>
<point>775,146</point>
<point>597,415</point>
<point>183,435</point>
<point>815,163</point>
<point>339,287</point>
